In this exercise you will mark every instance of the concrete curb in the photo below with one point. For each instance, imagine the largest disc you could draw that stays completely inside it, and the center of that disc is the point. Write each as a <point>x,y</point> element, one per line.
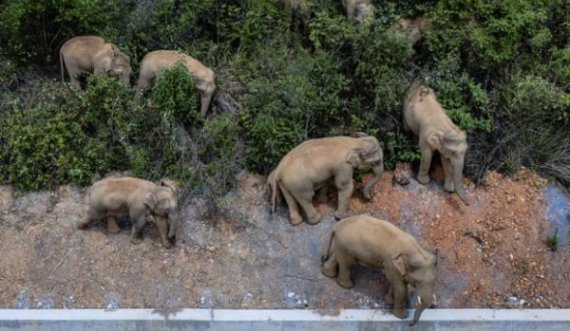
<point>284,319</point>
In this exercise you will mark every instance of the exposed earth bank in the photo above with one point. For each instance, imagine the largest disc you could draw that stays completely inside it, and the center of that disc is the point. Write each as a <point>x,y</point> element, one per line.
<point>493,253</point>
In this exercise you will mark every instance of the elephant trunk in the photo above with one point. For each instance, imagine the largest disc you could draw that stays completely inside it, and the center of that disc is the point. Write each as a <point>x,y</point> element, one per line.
<point>126,80</point>
<point>421,305</point>
<point>457,173</point>
<point>378,170</point>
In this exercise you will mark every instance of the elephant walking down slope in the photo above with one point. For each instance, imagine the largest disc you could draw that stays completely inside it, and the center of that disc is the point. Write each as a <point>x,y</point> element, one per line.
<point>142,200</point>
<point>317,162</point>
<point>155,61</point>
<point>372,242</point>
<point>425,117</point>
<point>90,54</point>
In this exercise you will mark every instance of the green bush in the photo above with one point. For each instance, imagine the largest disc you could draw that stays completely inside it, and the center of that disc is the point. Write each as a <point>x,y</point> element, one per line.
<point>68,141</point>
<point>32,31</point>
<point>175,96</point>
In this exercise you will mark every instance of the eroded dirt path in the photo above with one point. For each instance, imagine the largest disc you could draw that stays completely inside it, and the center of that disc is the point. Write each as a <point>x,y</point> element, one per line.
<point>492,253</point>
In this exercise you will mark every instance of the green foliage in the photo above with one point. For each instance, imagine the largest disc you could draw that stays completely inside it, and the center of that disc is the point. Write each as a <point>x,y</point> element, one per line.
<point>32,31</point>
<point>499,68</point>
<point>49,144</point>
<point>174,95</point>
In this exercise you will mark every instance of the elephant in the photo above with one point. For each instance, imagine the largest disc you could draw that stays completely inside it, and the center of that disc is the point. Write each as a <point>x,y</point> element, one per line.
<point>426,118</point>
<point>368,241</point>
<point>155,61</point>
<point>359,10</point>
<point>90,54</point>
<point>142,200</point>
<point>317,162</point>
<point>413,28</point>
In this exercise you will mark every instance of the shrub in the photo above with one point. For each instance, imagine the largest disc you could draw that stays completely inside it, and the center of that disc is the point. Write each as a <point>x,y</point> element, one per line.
<point>175,96</point>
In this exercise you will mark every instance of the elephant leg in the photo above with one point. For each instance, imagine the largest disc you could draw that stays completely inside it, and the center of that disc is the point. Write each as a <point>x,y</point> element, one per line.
<point>144,82</point>
<point>344,265</point>
<point>323,193</point>
<point>345,188</point>
<point>205,103</point>
<point>138,226</point>
<point>112,225</point>
<point>162,226</point>
<point>305,199</point>
<point>74,78</point>
<point>389,296</point>
<point>294,214</point>
<point>400,297</point>
<point>330,267</point>
<point>90,215</point>
<point>423,176</point>
<point>448,171</point>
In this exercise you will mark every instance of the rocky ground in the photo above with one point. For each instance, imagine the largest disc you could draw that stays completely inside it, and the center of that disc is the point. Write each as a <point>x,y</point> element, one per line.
<point>493,253</point>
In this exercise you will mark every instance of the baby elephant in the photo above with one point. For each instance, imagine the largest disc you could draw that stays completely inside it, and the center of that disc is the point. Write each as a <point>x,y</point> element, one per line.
<point>365,240</point>
<point>359,10</point>
<point>425,117</point>
<point>142,200</point>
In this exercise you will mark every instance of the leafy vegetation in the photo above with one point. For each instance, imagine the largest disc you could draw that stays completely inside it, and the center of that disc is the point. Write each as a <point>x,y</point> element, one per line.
<point>284,75</point>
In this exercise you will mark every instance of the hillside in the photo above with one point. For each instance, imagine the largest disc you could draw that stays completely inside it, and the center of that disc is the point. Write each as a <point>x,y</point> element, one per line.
<point>492,253</point>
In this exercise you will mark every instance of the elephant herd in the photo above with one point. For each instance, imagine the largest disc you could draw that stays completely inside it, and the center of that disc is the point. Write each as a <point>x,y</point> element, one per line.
<point>91,54</point>
<point>309,169</point>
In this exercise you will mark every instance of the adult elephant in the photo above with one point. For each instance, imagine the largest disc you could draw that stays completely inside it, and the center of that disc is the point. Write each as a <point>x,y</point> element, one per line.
<point>372,242</point>
<point>155,61</point>
<point>425,117</point>
<point>92,55</point>
<point>316,162</point>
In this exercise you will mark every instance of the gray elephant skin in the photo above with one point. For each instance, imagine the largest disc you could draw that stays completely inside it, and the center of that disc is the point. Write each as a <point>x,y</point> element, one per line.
<point>143,201</point>
<point>92,55</point>
<point>376,243</point>
<point>317,162</point>
<point>425,117</point>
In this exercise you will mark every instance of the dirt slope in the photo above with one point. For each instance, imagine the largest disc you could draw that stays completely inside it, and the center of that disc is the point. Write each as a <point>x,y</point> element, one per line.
<point>493,253</point>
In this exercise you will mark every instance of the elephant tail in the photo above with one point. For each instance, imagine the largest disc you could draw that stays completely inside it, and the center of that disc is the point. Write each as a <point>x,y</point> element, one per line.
<point>273,186</point>
<point>325,257</point>
<point>61,65</point>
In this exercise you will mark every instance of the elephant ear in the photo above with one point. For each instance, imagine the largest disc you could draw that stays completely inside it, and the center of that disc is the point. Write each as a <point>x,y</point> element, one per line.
<point>454,142</point>
<point>150,200</point>
<point>353,157</point>
<point>368,145</point>
<point>400,264</point>
<point>114,51</point>
<point>434,139</point>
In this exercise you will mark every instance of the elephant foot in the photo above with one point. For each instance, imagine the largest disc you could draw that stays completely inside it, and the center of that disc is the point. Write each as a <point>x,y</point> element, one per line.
<point>113,227</point>
<point>166,244</point>
<point>346,283</point>
<point>315,219</point>
<point>81,225</point>
<point>400,312</point>
<point>136,240</point>
<point>449,187</point>
<point>388,299</point>
<point>296,220</point>
<point>329,272</point>
<point>340,215</point>
<point>423,179</point>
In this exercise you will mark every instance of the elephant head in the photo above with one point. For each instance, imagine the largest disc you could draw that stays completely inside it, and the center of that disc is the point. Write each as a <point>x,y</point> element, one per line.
<point>452,145</point>
<point>161,201</point>
<point>368,156</point>
<point>120,65</point>
<point>419,270</point>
